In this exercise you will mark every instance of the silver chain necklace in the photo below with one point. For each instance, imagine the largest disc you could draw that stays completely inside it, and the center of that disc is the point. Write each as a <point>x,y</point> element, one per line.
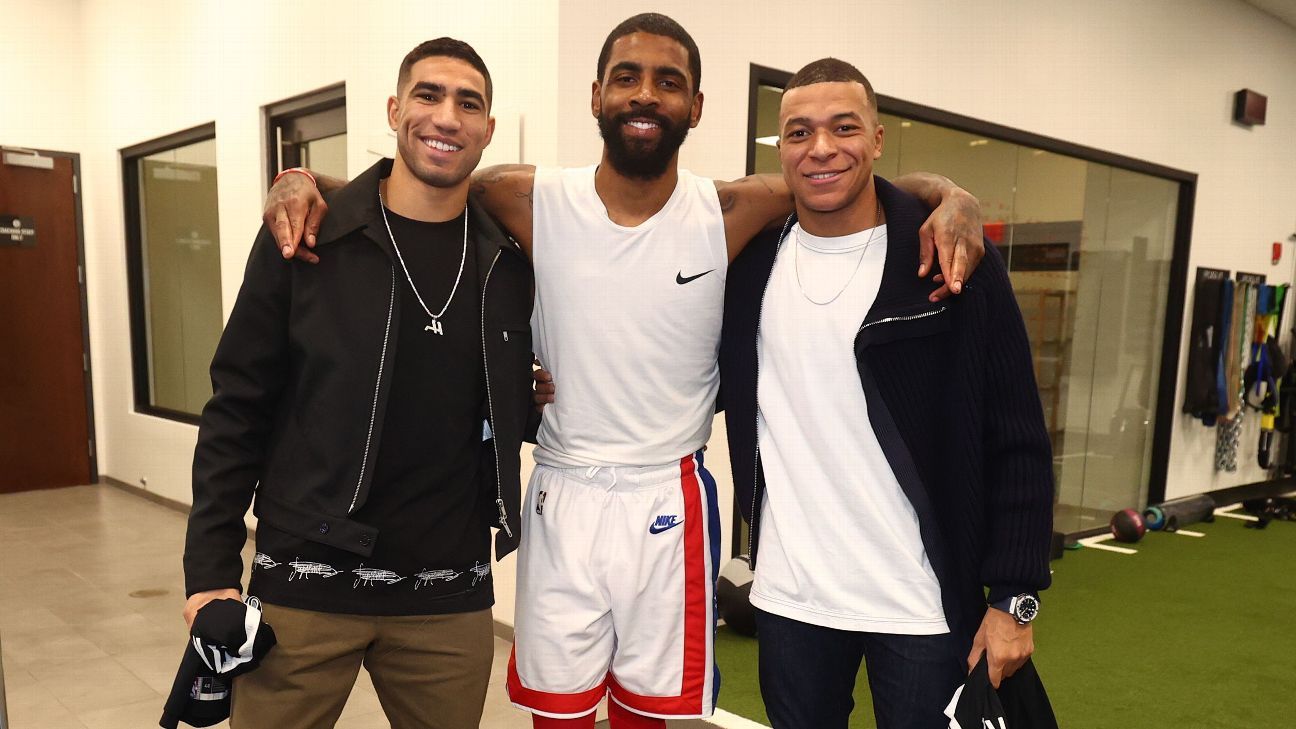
<point>435,327</point>
<point>796,261</point>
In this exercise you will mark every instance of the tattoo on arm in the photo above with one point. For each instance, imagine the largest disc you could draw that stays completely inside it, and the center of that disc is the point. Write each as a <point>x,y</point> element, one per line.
<point>488,179</point>
<point>530,200</point>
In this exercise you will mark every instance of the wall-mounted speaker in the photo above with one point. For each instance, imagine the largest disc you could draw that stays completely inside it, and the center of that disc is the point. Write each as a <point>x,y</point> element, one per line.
<point>1249,107</point>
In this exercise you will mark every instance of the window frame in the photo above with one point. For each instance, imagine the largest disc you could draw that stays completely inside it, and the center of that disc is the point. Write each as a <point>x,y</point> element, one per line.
<point>315,115</point>
<point>130,158</point>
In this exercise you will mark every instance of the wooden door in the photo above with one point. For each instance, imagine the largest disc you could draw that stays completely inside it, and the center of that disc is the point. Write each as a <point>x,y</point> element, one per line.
<point>45,431</point>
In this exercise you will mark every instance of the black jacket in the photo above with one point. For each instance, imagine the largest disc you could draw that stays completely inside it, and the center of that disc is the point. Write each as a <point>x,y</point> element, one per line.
<point>951,395</point>
<point>300,382</point>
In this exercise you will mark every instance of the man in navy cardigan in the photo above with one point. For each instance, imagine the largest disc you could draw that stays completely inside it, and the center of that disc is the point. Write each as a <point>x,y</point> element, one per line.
<point>889,452</point>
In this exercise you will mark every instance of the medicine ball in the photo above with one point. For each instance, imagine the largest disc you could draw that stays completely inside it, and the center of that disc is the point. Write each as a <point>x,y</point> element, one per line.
<point>733,594</point>
<point>1127,526</point>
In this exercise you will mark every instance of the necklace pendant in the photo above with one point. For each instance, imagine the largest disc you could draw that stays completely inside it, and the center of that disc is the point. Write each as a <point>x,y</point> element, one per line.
<point>434,327</point>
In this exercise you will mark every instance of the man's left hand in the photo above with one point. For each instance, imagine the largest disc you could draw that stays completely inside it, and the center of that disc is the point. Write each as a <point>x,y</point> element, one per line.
<point>952,234</point>
<point>1006,643</point>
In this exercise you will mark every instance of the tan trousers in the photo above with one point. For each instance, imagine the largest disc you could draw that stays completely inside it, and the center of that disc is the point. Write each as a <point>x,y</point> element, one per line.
<point>430,671</point>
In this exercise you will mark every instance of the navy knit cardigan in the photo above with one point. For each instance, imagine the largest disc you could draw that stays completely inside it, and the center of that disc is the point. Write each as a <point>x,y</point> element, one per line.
<point>951,395</point>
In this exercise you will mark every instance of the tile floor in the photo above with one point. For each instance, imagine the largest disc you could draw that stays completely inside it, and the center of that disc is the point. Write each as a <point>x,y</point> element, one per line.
<point>91,590</point>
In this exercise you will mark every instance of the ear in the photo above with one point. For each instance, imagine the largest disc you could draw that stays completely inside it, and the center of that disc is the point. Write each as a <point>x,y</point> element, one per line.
<point>877,141</point>
<point>596,99</point>
<point>393,112</point>
<point>490,131</point>
<point>695,114</point>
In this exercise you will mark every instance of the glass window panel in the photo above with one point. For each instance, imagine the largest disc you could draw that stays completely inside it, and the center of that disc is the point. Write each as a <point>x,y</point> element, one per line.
<point>180,247</point>
<point>1126,268</point>
<point>327,155</point>
<point>767,129</point>
<point>985,167</point>
<point>1071,438</point>
<point>1040,241</point>
<point>888,165</point>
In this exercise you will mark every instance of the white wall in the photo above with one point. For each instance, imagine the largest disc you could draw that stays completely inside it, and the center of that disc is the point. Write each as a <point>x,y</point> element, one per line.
<point>40,74</point>
<point>1151,80</point>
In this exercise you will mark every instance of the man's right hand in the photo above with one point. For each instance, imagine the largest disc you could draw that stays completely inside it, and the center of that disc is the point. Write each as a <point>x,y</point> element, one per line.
<point>293,211</point>
<point>198,599</point>
<point>544,388</point>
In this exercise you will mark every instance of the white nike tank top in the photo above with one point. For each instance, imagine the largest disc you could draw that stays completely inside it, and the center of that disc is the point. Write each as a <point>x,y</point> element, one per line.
<point>628,321</point>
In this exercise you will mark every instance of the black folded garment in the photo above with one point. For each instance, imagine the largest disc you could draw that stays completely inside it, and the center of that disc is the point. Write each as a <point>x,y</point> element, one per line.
<point>228,639</point>
<point>1020,703</point>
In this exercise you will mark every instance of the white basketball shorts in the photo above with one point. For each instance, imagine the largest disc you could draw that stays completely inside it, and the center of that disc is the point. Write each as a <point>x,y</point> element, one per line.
<point>616,591</point>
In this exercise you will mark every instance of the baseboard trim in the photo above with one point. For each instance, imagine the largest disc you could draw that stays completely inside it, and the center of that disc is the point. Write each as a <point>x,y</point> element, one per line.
<point>503,630</point>
<point>1072,537</point>
<point>158,499</point>
<point>171,504</point>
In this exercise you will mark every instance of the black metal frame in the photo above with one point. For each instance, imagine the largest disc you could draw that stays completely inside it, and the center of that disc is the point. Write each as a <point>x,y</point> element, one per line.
<point>135,262</point>
<point>1177,290</point>
<point>311,114</point>
<point>84,281</point>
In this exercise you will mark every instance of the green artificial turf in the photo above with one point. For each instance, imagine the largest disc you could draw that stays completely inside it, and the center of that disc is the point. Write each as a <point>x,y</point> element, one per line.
<point>1190,632</point>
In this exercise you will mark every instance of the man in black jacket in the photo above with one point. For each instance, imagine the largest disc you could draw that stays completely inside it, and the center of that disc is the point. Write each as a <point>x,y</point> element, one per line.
<point>889,452</point>
<point>374,404</point>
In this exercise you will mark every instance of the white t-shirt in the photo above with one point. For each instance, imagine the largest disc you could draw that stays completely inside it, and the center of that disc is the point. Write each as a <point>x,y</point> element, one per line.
<point>628,321</point>
<point>839,541</point>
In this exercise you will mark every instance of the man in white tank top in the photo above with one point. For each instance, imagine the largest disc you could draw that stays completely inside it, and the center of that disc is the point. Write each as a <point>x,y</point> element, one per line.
<point>620,534</point>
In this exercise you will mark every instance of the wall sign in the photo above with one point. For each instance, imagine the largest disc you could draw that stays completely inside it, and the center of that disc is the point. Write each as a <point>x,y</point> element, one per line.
<point>17,231</point>
<point>1211,274</point>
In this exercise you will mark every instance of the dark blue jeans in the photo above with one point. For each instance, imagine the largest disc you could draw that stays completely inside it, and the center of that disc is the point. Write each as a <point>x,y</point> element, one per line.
<point>807,675</point>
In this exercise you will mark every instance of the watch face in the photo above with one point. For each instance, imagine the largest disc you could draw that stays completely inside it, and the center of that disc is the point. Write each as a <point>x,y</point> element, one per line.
<point>1026,609</point>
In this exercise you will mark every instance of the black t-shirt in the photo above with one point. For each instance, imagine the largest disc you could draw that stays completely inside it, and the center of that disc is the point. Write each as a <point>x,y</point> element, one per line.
<point>432,555</point>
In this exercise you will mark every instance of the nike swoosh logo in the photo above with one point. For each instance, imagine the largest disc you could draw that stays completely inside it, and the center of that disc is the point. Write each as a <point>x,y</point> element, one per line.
<point>679,277</point>
<point>654,529</point>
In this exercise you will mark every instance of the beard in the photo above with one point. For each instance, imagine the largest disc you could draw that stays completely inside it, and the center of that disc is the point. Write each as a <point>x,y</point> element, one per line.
<point>640,159</point>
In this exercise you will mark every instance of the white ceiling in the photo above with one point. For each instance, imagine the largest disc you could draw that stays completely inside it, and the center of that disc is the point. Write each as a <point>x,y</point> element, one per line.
<point>1284,10</point>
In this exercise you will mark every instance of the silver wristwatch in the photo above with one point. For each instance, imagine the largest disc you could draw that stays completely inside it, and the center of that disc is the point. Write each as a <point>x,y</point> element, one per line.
<point>1024,607</point>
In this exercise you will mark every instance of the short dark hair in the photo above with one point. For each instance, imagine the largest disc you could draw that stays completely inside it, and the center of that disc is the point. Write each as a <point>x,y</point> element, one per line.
<point>827,70</point>
<point>450,48</point>
<point>657,24</point>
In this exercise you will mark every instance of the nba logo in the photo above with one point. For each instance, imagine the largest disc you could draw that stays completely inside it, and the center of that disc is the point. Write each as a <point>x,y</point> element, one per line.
<point>540,502</point>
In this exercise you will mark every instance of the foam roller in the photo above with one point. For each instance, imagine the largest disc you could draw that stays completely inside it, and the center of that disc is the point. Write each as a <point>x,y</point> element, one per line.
<point>1185,511</point>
